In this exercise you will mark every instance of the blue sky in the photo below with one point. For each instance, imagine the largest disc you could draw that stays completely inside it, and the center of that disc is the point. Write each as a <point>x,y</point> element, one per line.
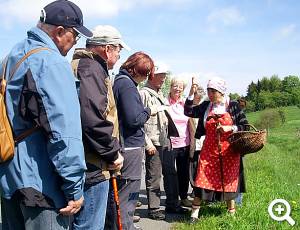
<point>240,41</point>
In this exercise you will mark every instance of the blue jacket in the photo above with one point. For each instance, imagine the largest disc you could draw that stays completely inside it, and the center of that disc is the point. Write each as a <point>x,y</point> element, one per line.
<point>50,160</point>
<point>131,112</point>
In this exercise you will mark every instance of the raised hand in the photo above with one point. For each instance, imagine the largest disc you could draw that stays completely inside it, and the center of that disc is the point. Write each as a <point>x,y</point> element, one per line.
<point>194,87</point>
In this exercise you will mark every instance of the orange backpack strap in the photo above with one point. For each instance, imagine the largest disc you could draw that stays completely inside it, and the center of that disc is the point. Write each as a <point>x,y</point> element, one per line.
<point>23,59</point>
<point>3,86</point>
<point>2,79</point>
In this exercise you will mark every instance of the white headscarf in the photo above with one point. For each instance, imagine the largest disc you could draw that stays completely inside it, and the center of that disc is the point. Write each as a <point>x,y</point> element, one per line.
<point>217,84</point>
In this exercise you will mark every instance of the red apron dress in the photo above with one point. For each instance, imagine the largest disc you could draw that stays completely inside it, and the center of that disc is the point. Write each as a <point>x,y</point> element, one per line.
<point>209,175</point>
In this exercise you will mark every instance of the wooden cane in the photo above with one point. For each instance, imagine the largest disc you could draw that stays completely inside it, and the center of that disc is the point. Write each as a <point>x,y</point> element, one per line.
<point>216,117</point>
<point>117,201</point>
<point>220,157</point>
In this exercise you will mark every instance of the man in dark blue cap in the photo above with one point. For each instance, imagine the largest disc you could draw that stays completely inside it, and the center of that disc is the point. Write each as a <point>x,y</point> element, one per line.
<point>42,186</point>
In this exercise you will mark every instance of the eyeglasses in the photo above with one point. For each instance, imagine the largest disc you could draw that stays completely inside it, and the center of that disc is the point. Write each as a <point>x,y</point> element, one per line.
<point>116,48</point>
<point>76,35</point>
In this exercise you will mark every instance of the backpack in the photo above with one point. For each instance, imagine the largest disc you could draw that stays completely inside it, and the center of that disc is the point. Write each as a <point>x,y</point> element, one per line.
<point>7,139</point>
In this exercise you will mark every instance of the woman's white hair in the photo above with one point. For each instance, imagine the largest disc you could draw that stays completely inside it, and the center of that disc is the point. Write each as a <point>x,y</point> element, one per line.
<point>175,80</point>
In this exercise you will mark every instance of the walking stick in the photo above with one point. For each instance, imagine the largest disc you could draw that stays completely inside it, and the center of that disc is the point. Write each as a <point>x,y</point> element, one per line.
<point>220,158</point>
<point>116,198</point>
<point>215,117</point>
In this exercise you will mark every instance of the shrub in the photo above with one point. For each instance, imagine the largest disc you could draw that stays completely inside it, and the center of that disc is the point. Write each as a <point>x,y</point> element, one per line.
<point>281,115</point>
<point>269,118</point>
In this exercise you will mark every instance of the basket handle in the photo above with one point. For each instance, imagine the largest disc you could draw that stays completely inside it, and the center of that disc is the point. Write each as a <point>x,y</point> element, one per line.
<point>252,126</point>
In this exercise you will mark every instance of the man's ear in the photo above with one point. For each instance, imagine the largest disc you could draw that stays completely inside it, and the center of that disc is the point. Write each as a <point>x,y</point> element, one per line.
<point>107,52</point>
<point>107,47</point>
<point>58,33</point>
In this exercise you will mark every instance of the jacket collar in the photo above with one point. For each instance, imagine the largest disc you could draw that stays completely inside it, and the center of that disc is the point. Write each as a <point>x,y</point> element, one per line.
<point>125,72</point>
<point>37,34</point>
<point>83,53</point>
<point>150,87</point>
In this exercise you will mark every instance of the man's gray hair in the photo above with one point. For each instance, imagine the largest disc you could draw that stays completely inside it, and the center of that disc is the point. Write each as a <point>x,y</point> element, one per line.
<point>47,28</point>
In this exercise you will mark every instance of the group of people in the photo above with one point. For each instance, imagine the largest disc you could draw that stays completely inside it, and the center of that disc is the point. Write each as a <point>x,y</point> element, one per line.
<point>88,129</point>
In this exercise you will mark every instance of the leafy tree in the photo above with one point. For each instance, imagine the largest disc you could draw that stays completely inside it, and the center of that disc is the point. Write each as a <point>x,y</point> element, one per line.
<point>275,83</point>
<point>280,98</point>
<point>234,96</point>
<point>166,86</point>
<point>295,96</point>
<point>289,83</point>
<point>264,84</point>
<point>258,87</point>
<point>252,91</point>
<point>250,106</point>
<point>265,100</point>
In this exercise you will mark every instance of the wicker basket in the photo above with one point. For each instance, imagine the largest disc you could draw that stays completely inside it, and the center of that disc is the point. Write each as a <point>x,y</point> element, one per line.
<point>245,142</point>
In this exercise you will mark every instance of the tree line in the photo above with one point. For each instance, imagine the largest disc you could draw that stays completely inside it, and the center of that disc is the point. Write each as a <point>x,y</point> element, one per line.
<point>266,93</point>
<point>272,93</point>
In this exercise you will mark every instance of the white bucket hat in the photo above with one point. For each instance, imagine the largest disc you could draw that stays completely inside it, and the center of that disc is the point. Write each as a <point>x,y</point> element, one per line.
<point>160,67</point>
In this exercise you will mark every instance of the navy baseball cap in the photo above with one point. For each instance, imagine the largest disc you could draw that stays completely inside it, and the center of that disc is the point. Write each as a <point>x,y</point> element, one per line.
<point>65,13</point>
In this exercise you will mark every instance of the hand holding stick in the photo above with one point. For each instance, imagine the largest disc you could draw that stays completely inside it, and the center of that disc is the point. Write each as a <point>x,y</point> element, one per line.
<point>194,87</point>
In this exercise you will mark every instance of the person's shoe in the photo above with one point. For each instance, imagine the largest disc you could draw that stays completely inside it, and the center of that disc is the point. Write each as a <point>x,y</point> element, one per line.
<point>177,210</point>
<point>186,203</point>
<point>231,212</point>
<point>139,204</point>
<point>156,215</point>
<point>193,220</point>
<point>136,219</point>
<point>136,227</point>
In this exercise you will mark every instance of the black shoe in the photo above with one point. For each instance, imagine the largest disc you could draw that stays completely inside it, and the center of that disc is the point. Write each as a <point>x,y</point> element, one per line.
<point>193,220</point>
<point>177,210</point>
<point>156,215</point>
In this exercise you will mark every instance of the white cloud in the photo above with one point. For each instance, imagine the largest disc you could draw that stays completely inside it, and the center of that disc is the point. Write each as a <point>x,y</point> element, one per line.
<point>16,11</point>
<point>226,16</point>
<point>286,31</point>
<point>22,11</point>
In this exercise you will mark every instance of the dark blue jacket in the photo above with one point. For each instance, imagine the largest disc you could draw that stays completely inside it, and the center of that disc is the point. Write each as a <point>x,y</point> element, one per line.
<point>131,112</point>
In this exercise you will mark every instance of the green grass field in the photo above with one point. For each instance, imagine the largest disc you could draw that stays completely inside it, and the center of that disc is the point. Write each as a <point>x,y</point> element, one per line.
<point>270,174</point>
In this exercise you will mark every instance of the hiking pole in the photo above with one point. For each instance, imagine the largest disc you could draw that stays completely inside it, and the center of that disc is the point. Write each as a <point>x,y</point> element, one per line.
<point>220,156</point>
<point>116,198</point>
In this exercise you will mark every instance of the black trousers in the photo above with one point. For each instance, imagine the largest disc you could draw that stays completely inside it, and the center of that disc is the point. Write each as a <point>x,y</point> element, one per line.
<point>176,175</point>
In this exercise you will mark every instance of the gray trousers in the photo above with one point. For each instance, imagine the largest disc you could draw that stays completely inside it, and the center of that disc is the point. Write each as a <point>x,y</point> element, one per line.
<point>128,188</point>
<point>153,176</point>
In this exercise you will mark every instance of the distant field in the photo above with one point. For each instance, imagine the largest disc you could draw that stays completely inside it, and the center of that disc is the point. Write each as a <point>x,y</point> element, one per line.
<point>270,174</point>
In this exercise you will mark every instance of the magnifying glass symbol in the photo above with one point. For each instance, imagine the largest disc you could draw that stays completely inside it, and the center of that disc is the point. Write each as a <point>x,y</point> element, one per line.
<point>279,209</point>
